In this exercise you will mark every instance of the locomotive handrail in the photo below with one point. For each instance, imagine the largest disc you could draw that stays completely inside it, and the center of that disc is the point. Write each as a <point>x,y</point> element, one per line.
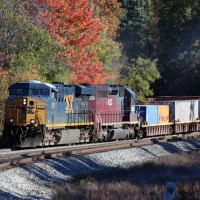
<point>41,115</point>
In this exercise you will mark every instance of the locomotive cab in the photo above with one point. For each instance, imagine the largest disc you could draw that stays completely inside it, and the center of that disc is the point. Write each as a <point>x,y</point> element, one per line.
<point>130,113</point>
<point>25,110</point>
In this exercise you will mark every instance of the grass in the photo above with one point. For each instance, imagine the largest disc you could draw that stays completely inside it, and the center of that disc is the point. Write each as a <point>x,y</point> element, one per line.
<point>146,181</point>
<point>123,190</point>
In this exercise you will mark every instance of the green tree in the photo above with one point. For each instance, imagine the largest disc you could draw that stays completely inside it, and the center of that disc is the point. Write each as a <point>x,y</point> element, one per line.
<point>182,75</point>
<point>23,45</point>
<point>139,76</point>
<point>109,54</point>
<point>26,52</point>
<point>38,50</point>
<point>179,58</point>
<point>138,31</point>
<point>107,48</point>
<point>175,19</point>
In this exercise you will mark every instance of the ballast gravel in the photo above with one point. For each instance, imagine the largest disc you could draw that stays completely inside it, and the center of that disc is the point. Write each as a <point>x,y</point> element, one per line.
<point>36,181</point>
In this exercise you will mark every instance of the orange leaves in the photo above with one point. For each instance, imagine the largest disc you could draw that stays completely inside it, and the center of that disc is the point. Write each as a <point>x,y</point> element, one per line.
<point>3,73</point>
<point>73,24</point>
<point>111,11</point>
<point>86,70</point>
<point>91,71</point>
<point>70,19</point>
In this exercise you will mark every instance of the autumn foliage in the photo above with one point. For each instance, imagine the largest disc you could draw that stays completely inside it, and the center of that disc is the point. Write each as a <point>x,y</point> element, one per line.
<point>111,11</point>
<point>72,24</point>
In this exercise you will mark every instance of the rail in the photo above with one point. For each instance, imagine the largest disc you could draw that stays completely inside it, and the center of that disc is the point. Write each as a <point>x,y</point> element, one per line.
<point>10,159</point>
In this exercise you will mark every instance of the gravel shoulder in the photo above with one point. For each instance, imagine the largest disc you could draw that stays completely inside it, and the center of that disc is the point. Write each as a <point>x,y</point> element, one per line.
<point>35,181</point>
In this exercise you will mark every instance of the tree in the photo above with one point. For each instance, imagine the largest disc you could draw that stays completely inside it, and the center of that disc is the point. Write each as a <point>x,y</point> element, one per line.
<point>107,48</point>
<point>182,74</point>
<point>26,52</point>
<point>179,57</point>
<point>72,24</point>
<point>111,11</point>
<point>138,31</point>
<point>175,18</point>
<point>23,45</point>
<point>139,76</point>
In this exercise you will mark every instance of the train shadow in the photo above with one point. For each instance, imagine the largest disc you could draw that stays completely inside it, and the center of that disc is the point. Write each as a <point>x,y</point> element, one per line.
<point>188,145</point>
<point>63,170</point>
<point>8,196</point>
<point>56,171</point>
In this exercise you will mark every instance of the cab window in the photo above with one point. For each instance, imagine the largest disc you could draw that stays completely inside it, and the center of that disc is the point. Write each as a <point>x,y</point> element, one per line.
<point>39,92</point>
<point>102,94</point>
<point>13,91</point>
<point>53,94</point>
<point>18,92</point>
<point>35,92</point>
<point>44,92</point>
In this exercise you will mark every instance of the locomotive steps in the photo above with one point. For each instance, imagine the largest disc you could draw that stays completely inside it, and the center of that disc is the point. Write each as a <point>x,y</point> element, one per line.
<point>9,159</point>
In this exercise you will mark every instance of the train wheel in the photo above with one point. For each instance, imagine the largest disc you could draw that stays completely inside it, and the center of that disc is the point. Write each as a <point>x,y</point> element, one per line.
<point>139,134</point>
<point>127,137</point>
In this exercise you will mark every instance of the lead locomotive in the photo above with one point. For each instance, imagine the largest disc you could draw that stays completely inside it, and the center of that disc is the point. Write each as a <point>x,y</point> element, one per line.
<point>40,114</point>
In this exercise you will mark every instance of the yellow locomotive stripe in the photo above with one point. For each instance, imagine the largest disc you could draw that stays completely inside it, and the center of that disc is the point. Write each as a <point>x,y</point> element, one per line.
<point>70,124</point>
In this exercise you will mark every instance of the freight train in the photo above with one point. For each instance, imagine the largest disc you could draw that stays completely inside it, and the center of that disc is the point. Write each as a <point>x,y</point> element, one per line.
<point>43,114</point>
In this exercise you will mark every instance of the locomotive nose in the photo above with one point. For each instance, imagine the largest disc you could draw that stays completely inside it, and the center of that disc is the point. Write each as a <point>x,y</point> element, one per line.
<point>24,112</point>
<point>20,111</point>
<point>30,112</point>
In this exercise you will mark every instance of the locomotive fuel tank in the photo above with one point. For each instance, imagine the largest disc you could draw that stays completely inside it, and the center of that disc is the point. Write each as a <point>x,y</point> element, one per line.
<point>118,133</point>
<point>71,136</point>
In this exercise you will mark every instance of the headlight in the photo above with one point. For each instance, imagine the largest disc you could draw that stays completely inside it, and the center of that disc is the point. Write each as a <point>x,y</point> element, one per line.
<point>24,101</point>
<point>32,121</point>
<point>11,120</point>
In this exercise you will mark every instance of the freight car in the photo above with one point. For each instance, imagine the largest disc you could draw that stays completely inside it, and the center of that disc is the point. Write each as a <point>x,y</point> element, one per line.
<point>169,117</point>
<point>40,114</point>
<point>43,114</point>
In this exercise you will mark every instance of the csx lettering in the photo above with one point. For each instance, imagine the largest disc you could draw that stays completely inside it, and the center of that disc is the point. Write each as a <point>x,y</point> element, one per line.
<point>30,110</point>
<point>69,100</point>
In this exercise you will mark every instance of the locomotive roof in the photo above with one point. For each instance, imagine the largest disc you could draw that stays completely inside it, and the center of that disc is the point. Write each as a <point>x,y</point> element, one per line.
<point>80,89</point>
<point>33,84</point>
<point>131,92</point>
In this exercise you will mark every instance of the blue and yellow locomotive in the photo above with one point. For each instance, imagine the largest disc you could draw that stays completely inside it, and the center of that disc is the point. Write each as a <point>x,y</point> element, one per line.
<point>40,114</point>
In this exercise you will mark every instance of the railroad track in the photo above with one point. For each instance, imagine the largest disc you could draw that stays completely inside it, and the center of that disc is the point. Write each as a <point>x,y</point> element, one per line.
<point>10,158</point>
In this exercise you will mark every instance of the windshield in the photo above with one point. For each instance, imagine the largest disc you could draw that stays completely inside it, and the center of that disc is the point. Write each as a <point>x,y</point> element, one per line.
<point>39,92</point>
<point>26,92</point>
<point>19,92</point>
